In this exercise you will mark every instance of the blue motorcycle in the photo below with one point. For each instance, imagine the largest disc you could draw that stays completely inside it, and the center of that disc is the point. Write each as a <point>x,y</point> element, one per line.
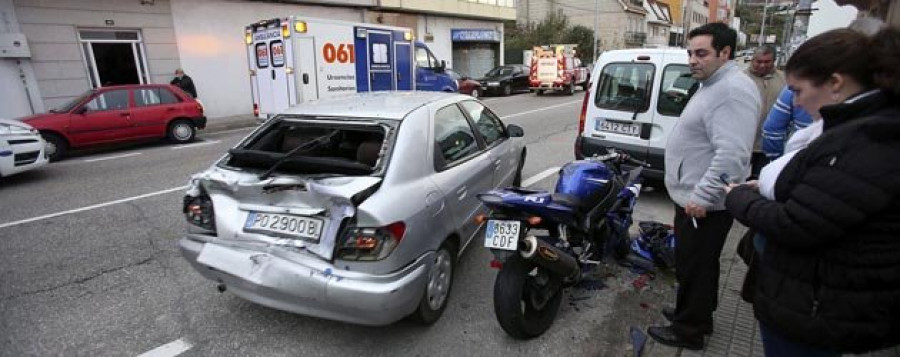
<point>545,242</point>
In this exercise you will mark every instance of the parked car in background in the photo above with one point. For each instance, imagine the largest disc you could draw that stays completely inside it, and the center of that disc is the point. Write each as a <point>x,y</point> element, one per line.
<point>635,99</point>
<point>351,208</point>
<point>118,114</point>
<point>505,80</point>
<point>466,84</point>
<point>21,148</point>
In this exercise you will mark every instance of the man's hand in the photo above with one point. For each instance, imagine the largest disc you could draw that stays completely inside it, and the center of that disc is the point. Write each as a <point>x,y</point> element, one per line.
<point>694,210</point>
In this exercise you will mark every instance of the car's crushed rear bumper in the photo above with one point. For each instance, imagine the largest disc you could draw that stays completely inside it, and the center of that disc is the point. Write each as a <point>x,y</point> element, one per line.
<point>302,283</point>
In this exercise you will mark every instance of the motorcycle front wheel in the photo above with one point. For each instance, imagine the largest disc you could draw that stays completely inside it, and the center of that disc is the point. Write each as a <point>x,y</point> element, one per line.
<point>526,298</point>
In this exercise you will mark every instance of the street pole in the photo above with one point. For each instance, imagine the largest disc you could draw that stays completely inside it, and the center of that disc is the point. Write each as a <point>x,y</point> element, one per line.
<point>596,28</point>
<point>762,28</point>
<point>685,22</point>
<point>801,24</point>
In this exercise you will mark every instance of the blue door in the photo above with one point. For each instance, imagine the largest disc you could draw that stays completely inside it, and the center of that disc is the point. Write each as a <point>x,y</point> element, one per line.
<point>381,61</point>
<point>404,65</point>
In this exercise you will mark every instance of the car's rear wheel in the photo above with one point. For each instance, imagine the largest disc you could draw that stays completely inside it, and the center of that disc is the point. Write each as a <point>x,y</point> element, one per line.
<point>507,90</point>
<point>570,89</point>
<point>181,131</point>
<point>539,92</point>
<point>437,287</point>
<point>57,146</point>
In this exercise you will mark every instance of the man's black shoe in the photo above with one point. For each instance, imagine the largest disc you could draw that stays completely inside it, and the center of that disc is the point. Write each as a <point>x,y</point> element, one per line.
<point>667,336</point>
<point>669,313</point>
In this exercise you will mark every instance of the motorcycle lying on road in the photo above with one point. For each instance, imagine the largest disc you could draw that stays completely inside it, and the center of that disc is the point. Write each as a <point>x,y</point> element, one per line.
<point>546,242</point>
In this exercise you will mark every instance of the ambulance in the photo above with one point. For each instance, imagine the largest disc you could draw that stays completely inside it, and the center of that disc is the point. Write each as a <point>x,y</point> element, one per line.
<point>295,59</point>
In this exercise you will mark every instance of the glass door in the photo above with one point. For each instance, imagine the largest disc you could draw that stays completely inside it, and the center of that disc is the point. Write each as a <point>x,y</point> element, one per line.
<point>114,57</point>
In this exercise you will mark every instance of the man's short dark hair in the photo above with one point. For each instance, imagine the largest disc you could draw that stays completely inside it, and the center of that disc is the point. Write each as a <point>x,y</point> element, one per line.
<point>722,36</point>
<point>765,50</point>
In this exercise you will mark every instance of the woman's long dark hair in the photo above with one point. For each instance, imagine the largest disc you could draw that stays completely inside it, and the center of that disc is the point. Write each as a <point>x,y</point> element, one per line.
<point>873,61</point>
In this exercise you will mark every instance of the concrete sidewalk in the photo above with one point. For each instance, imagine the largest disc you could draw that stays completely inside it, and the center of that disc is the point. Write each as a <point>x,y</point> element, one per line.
<point>218,124</point>
<point>735,329</point>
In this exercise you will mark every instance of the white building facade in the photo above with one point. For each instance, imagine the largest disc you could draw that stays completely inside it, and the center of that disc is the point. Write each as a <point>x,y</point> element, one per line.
<point>59,49</point>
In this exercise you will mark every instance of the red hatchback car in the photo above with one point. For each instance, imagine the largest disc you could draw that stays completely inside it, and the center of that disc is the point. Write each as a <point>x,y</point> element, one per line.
<point>118,114</point>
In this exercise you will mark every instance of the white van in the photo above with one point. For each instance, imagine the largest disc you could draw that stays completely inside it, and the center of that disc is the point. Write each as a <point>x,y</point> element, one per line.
<point>634,99</point>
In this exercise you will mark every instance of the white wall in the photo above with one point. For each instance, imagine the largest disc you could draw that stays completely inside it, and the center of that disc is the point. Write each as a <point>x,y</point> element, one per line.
<point>829,16</point>
<point>213,51</point>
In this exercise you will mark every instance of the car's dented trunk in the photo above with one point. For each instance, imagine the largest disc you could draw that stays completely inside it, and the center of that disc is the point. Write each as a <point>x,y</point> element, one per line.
<point>335,169</point>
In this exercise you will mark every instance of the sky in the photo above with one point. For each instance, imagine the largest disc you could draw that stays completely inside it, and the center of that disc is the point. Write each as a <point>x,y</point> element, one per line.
<point>829,16</point>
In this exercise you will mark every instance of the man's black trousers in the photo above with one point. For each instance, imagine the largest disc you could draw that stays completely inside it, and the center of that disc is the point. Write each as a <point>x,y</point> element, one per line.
<point>697,253</point>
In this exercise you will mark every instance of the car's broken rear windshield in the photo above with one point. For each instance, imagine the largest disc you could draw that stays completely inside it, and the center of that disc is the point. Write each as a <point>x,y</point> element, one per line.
<point>327,148</point>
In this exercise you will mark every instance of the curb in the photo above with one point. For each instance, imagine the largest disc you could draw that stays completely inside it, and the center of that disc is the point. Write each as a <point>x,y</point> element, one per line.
<point>215,125</point>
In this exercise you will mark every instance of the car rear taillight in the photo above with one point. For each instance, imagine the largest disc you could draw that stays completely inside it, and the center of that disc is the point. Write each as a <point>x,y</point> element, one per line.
<point>255,109</point>
<point>199,105</point>
<point>199,212</point>
<point>371,243</point>
<point>581,119</point>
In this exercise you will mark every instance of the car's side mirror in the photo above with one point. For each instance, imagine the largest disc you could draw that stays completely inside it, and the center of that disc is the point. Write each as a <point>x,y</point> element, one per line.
<point>515,131</point>
<point>440,68</point>
<point>81,111</point>
<point>464,78</point>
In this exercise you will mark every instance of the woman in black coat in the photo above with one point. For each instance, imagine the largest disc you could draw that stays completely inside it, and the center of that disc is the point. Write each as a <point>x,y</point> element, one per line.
<point>829,275</point>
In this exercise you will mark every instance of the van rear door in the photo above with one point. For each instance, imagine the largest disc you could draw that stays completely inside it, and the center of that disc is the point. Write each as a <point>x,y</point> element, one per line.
<point>622,115</point>
<point>271,61</point>
<point>675,89</point>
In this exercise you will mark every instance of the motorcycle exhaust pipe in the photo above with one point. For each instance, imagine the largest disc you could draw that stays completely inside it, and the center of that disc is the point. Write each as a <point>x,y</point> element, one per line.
<point>549,257</point>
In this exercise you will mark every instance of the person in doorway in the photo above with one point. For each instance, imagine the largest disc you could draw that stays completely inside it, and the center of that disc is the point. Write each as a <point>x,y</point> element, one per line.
<point>769,82</point>
<point>184,82</point>
<point>828,282</point>
<point>713,138</point>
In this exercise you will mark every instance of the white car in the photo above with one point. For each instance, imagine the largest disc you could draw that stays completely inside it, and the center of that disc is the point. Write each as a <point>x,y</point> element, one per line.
<point>21,148</point>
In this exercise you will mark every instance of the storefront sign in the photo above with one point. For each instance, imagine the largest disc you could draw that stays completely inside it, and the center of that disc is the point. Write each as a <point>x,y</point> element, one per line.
<point>474,36</point>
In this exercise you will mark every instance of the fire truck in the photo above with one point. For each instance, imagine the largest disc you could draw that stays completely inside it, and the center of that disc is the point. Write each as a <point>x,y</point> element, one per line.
<point>557,68</point>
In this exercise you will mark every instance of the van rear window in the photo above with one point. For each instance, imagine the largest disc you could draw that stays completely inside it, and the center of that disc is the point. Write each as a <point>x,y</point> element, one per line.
<point>625,87</point>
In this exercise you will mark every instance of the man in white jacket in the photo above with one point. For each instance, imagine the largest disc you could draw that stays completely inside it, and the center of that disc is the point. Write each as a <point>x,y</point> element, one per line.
<point>712,139</point>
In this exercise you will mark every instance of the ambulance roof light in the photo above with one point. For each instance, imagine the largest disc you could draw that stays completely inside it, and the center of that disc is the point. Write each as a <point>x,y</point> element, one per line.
<point>248,37</point>
<point>300,26</point>
<point>285,31</point>
<point>408,35</point>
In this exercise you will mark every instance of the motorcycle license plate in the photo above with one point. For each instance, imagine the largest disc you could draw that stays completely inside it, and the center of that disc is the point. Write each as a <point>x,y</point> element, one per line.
<point>502,234</point>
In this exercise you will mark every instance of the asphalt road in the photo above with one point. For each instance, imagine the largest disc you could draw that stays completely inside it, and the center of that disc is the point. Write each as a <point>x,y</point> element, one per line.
<point>90,267</point>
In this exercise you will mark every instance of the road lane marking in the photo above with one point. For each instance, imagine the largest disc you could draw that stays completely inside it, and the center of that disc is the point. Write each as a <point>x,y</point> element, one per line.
<point>112,157</point>
<point>210,142</point>
<point>88,208</point>
<point>170,349</point>
<point>540,109</point>
<point>534,179</point>
<point>229,131</point>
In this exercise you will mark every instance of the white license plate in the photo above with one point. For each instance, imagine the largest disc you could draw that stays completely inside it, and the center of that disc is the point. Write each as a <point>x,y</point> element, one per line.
<point>284,225</point>
<point>502,234</point>
<point>619,128</point>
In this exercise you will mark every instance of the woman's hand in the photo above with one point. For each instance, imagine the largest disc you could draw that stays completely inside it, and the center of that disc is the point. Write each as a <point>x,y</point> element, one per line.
<point>753,184</point>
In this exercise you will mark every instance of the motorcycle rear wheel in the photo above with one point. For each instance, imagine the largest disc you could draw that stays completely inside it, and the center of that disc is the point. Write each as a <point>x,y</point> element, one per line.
<point>518,303</point>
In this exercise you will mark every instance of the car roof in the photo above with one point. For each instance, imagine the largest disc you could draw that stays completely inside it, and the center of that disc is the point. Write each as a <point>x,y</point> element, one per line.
<point>132,86</point>
<point>630,54</point>
<point>381,104</point>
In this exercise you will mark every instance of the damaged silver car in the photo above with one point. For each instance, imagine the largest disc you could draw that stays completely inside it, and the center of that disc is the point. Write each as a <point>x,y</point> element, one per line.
<point>352,209</point>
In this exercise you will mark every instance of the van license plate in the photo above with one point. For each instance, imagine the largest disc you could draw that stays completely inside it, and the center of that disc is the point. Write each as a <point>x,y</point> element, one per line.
<point>502,234</point>
<point>619,128</point>
<point>284,225</point>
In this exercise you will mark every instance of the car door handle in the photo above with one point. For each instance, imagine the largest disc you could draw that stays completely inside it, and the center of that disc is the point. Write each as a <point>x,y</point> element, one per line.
<point>273,74</point>
<point>125,114</point>
<point>461,192</point>
<point>170,109</point>
<point>305,78</point>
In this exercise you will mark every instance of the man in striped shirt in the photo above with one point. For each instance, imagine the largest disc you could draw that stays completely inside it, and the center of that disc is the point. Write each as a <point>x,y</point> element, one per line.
<point>783,120</point>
